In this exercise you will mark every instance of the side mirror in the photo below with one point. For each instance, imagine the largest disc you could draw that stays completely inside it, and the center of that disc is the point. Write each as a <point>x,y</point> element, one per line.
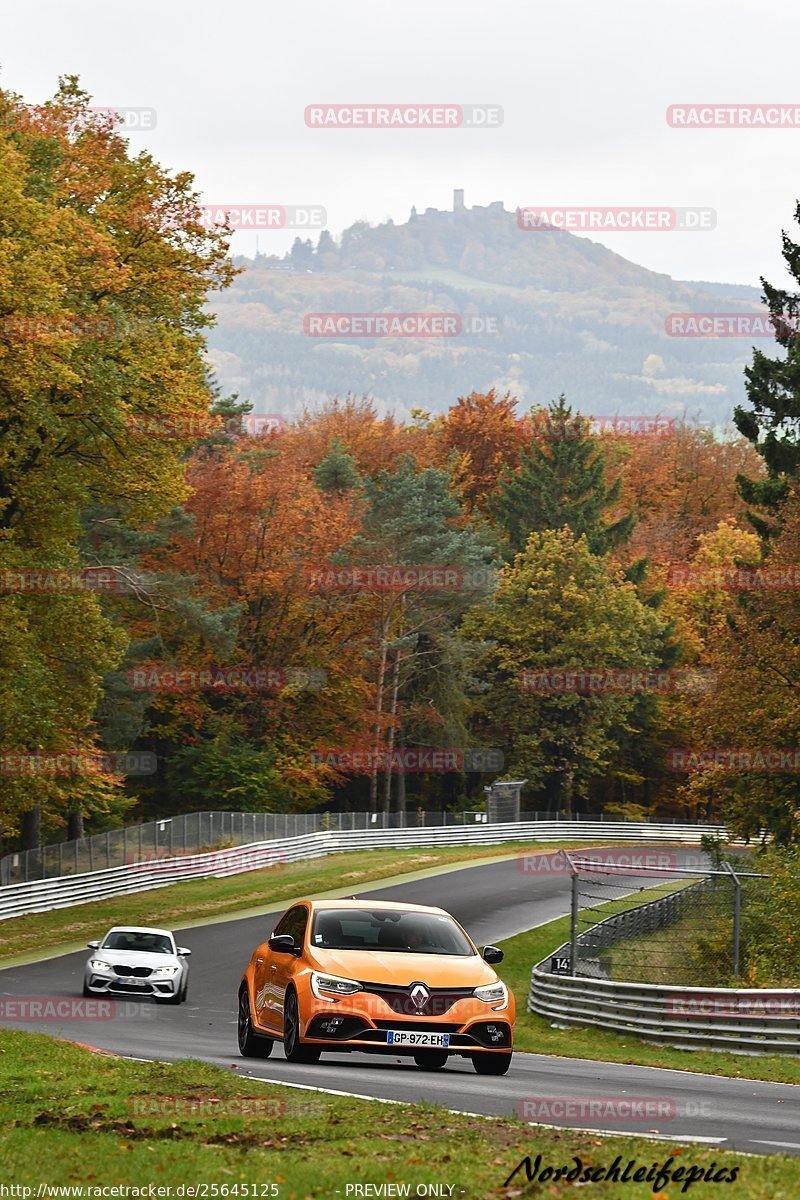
<point>283,943</point>
<point>93,945</point>
<point>493,954</point>
<point>183,952</point>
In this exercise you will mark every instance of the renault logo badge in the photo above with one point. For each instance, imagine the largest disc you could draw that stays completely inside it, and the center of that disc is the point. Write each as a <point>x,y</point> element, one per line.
<point>420,995</point>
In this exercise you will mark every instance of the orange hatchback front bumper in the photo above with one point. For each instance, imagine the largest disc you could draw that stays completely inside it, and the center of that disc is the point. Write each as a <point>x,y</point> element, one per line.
<point>367,1020</point>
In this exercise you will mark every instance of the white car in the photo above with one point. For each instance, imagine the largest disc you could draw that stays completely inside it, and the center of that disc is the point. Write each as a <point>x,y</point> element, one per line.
<point>135,961</point>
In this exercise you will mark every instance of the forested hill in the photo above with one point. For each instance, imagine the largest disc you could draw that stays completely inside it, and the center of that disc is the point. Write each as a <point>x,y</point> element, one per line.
<point>566,314</point>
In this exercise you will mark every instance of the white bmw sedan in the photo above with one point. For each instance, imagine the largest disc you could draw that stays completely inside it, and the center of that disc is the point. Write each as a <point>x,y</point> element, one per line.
<point>135,961</point>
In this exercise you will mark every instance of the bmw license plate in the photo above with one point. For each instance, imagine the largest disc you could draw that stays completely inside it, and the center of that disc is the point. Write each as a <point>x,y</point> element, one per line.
<point>132,982</point>
<point>415,1037</point>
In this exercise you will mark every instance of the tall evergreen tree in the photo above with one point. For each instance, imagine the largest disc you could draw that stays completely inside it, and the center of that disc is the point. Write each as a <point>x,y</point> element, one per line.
<point>772,423</point>
<point>561,481</point>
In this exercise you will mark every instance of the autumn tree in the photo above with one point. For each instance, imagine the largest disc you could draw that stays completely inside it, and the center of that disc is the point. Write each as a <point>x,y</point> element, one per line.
<point>413,519</point>
<point>747,620</point>
<point>105,273</point>
<point>680,483</point>
<point>480,436</point>
<point>261,531</point>
<point>558,607</point>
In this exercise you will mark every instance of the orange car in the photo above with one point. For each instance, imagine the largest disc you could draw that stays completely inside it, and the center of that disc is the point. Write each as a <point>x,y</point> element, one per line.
<point>375,976</point>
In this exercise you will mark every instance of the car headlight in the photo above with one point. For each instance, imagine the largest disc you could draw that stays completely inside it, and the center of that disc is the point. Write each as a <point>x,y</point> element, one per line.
<point>325,987</point>
<point>97,964</point>
<point>165,970</point>
<point>495,994</point>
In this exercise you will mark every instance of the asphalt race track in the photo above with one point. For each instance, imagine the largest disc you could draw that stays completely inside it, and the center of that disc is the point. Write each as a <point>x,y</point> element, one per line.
<point>493,902</point>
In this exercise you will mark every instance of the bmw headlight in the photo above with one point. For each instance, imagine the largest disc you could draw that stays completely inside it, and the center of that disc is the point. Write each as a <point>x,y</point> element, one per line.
<point>495,994</point>
<point>165,970</point>
<point>326,987</point>
<point>97,964</point>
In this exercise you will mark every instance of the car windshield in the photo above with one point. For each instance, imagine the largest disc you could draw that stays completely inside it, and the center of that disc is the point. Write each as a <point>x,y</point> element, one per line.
<point>129,939</point>
<point>388,930</point>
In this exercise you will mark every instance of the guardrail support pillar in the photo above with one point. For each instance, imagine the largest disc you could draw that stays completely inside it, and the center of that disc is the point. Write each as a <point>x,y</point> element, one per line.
<point>573,924</point>
<point>737,916</point>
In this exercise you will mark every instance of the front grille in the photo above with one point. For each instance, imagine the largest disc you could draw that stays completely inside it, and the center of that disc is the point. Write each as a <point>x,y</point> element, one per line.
<point>130,987</point>
<point>139,972</point>
<point>423,1026</point>
<point>399,999</point>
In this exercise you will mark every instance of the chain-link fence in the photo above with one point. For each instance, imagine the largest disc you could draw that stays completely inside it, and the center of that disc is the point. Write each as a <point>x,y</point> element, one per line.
<point>656,917</point>
<point>198,831</point>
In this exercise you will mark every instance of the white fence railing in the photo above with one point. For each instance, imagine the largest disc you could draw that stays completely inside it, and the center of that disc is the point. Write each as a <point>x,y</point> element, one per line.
<point>68,890</point>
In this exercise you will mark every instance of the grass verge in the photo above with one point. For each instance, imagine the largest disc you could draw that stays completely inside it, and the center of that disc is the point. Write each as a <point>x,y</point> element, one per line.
<point>198,900</point>
<point>71,1117</point>
<point>536,1035</point>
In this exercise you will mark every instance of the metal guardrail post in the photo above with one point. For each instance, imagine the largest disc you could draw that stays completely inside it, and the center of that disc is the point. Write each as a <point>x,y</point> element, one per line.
<point>737,916</point>
<point>573,923</point>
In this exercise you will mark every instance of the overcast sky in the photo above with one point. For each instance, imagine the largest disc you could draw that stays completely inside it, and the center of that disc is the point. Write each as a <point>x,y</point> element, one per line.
<point>584,88</point>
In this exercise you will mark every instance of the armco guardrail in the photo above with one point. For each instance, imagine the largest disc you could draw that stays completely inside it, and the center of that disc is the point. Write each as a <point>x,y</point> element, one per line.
<point>199,832</point>
<point>752,1020</point>
<point>65,891</point>
<point>756,1021</point>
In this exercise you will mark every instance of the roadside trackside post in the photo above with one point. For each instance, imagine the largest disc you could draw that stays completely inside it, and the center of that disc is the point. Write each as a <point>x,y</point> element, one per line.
<point>737,915</point>
<point>573,925</point>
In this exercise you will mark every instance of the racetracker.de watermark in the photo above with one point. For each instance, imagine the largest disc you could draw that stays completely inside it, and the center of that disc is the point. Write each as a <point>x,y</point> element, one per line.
<point>404,116</point>
<point>598,682</point>
<point>594,1110</point>
<point>123,118</point>
<point>619,862</point>
<point>236,678</point>
<point>189,425</point>
<point>399,325</point>
<point>616,219</point>
<point>73,1008</point>
<point>261,217</point>
<point>388,577</point>
<point>215,1107</point>
<point>218,862</point>
<point>761,1004</point>
<point>47,580</point>
<point>770,760</point>
<point>632,425</point>
<point>39,327</point>
<point>77,762</point>
<point>409,759</point>
<point>734,116</point>
<point>736,579</point>
<point>730,325</point>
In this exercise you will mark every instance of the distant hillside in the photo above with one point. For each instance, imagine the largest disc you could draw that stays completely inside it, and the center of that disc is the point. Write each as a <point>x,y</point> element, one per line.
<point>571,316</point>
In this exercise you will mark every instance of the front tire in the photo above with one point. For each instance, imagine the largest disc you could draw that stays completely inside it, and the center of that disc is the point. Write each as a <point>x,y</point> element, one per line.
<point>491,1064</point>
<point>431,1060</point>
<point>293,1048</point>
<point>250,1046</point>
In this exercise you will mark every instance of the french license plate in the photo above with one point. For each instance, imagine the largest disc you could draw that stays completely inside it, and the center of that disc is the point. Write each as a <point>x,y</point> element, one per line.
<point>414,1037</point>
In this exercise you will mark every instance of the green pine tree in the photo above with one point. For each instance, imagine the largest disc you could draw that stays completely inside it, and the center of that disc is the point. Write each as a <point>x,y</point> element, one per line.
<point>338,472</point>
<point>772,422</point>
<point>561,482</point>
